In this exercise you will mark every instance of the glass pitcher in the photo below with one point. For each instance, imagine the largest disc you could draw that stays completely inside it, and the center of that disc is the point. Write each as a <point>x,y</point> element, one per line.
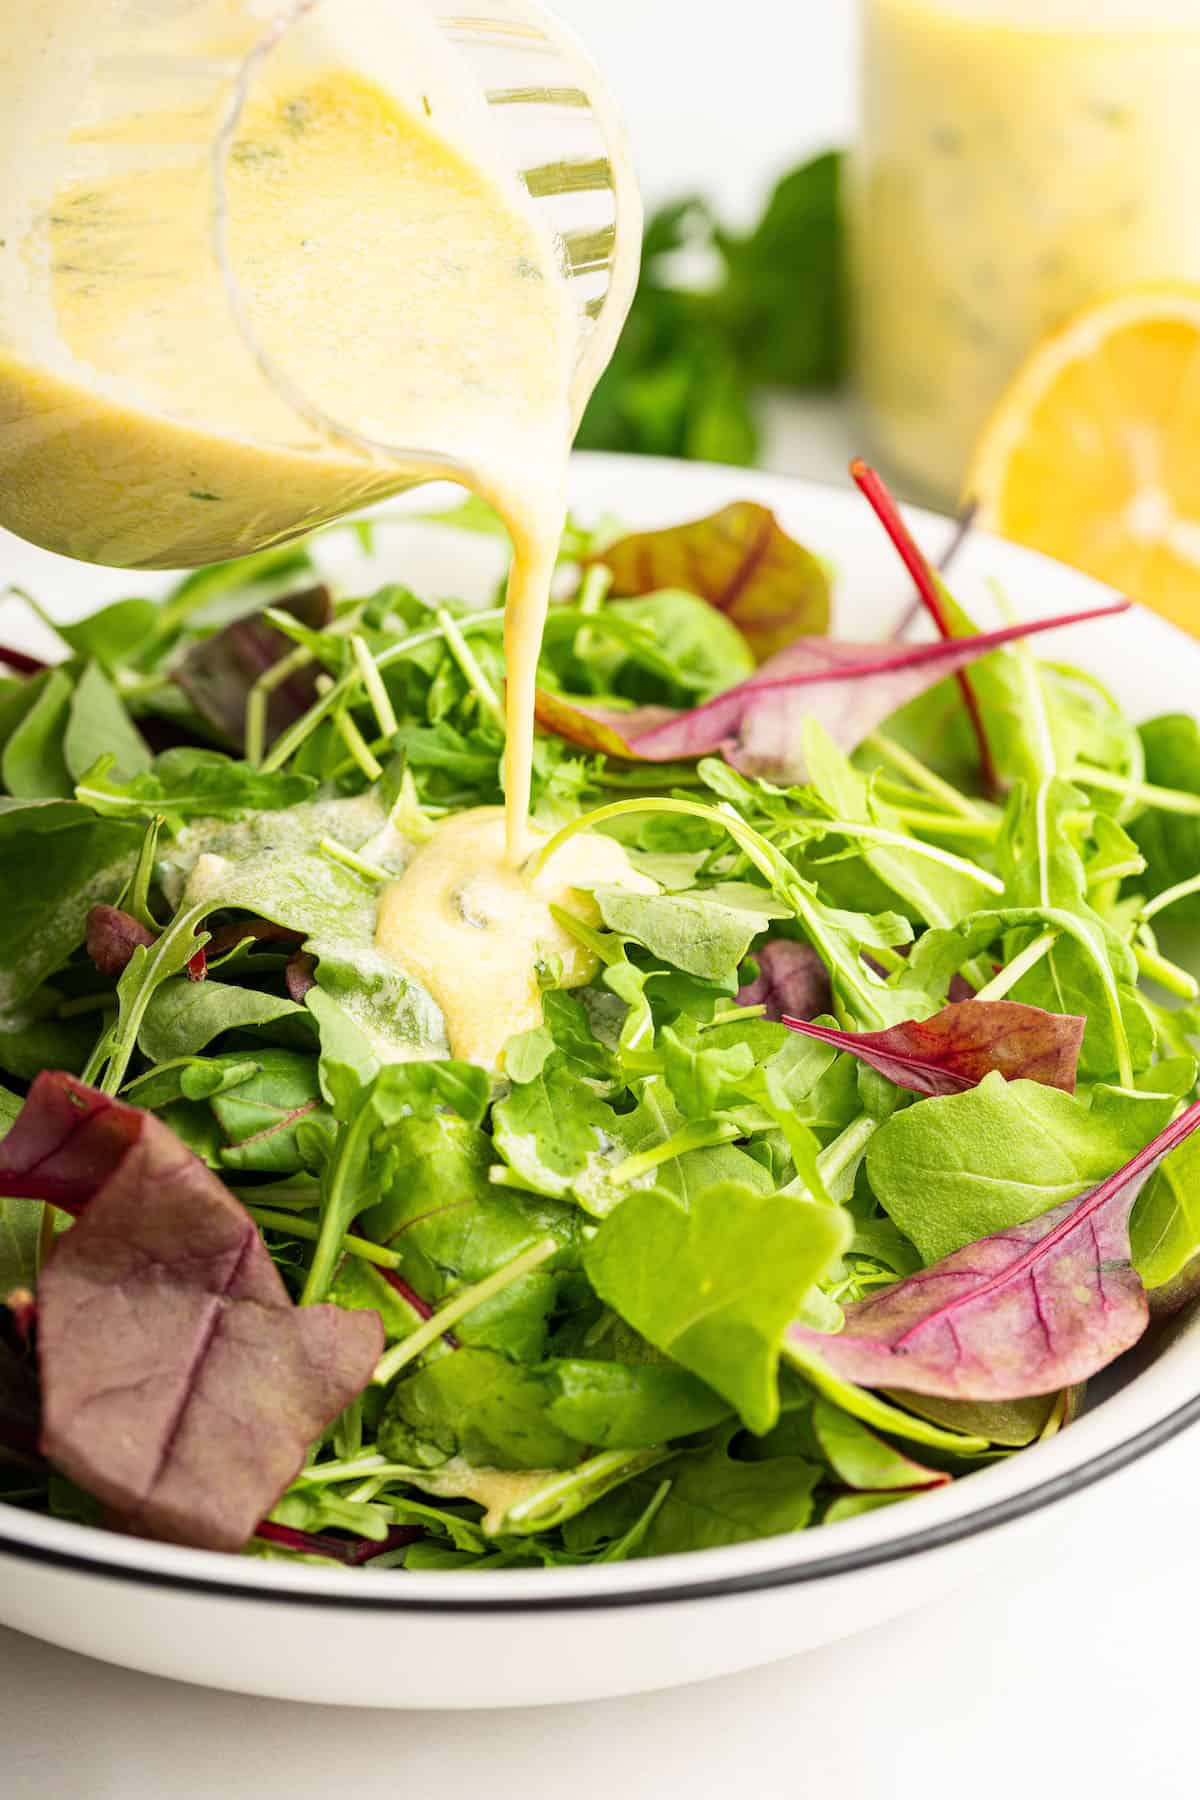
<point>151,413</point>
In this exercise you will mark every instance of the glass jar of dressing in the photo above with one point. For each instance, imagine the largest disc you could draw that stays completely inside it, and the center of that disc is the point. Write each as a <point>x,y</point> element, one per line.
<point>1018,159</point>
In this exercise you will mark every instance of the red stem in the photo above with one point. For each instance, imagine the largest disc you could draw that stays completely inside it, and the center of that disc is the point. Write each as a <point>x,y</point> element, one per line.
<point>421,1307</point>
<point>915,561</point>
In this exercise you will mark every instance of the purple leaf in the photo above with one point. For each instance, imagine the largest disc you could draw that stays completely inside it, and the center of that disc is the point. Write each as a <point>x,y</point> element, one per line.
<point>791,979</point>
<point>355,1552</point>
<point>741,561</point>
<point>300,975</point>
<point>218,673</point>
<point>1033,1309</point>
<point>963,1042</point>
<point>180,1385</point>
<point>112,938</point>
<point>20,1405</point>
<point>849,688</point>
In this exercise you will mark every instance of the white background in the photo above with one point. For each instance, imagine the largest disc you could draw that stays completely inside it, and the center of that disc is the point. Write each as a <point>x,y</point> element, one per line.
<point>1078,1675</point>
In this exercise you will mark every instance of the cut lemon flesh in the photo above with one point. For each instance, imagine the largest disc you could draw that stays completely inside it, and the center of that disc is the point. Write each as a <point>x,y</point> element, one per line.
<point>1093,454</point>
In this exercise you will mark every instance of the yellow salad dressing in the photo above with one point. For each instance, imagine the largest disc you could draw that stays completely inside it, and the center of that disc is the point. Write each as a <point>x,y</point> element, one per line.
<point>1018,159</point>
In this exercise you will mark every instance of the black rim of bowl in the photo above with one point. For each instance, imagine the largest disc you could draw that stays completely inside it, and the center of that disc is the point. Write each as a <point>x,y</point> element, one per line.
<point>870,1556</point>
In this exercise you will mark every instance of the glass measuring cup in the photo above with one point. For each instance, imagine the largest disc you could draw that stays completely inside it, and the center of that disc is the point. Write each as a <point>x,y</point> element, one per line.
<point>145,441</point>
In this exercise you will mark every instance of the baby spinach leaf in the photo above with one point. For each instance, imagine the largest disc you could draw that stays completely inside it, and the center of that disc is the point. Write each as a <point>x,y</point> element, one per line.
<point>717,1499</point>
<point>613,1405</point>
<point>1006,1317</point>
<point>98,725</point>
<point>33,765</point>
<point>864,1461</point>
<point>742,562</point>
<point>964,1166</point>
<point>714,1283</point>
<point>478,1405</point>
<point>113,634</point>
<point>1164,1231</point>
<point>56,862</point>
<point>136,1419</point>
<point>1170,841</point>
<point>958,1046</point>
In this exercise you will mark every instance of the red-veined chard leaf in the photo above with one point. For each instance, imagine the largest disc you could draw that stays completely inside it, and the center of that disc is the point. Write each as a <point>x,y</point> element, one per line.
<point>962,1043</point>
<point>850,688</point>
<point>180,1385</point>
<point>741,561</point>
<point>792,981</point>
<point>1039,1307</point>
<point>929,589</point>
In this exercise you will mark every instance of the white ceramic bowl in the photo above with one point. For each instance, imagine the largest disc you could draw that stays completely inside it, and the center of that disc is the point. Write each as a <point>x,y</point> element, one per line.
<point>516,1637</point>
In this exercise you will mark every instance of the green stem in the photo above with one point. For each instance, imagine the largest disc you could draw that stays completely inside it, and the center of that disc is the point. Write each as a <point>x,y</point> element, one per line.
<point>847,1147</point>
<point>944,824</point>
<point>428,1333</point>
<point>258,699</point>
<point>350,859</point>
<point>360,751</point>
<point>469,665</point>
<point>290,740</point>
<point>1001,984</point>
<point>1169,896</point>
<point>308,1230</point>
<point>87,1003</point>
<point>1175,800</point>
<point>377,694</point>
<point>563,1496</point>
<point>1169,975</point>
<point>922,777</point>
<point>303,1198</point>
<point>701,1134</point>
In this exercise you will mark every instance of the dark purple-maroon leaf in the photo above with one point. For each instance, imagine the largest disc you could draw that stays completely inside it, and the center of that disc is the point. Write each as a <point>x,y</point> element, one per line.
<point>962,1043</point>
<point>849,688</point>
<point>300,975</point>
<point>66,1140</point>
<point>21,662</point>
<point>355,1552</point>
<point>112,938</point>
<point>742,562</point>
<point>180,1385</point>
<point>20,1406</point>
<point>218,673</point>
<point>1036,1308</point>
<point>791,980</point>
<point>224,938</point>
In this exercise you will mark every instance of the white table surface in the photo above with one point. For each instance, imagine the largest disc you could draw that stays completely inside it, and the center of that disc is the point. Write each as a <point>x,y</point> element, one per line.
<point>1079,1676</point>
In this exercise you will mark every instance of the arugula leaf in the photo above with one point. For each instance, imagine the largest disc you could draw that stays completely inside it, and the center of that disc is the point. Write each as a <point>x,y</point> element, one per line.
<point>714,1283</point>
<point>706,933</point>
<point>183,1017</point>
<point>190,784</point>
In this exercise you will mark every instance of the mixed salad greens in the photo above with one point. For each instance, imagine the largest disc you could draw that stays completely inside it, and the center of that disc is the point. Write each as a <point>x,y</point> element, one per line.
<point>864,1148</point>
